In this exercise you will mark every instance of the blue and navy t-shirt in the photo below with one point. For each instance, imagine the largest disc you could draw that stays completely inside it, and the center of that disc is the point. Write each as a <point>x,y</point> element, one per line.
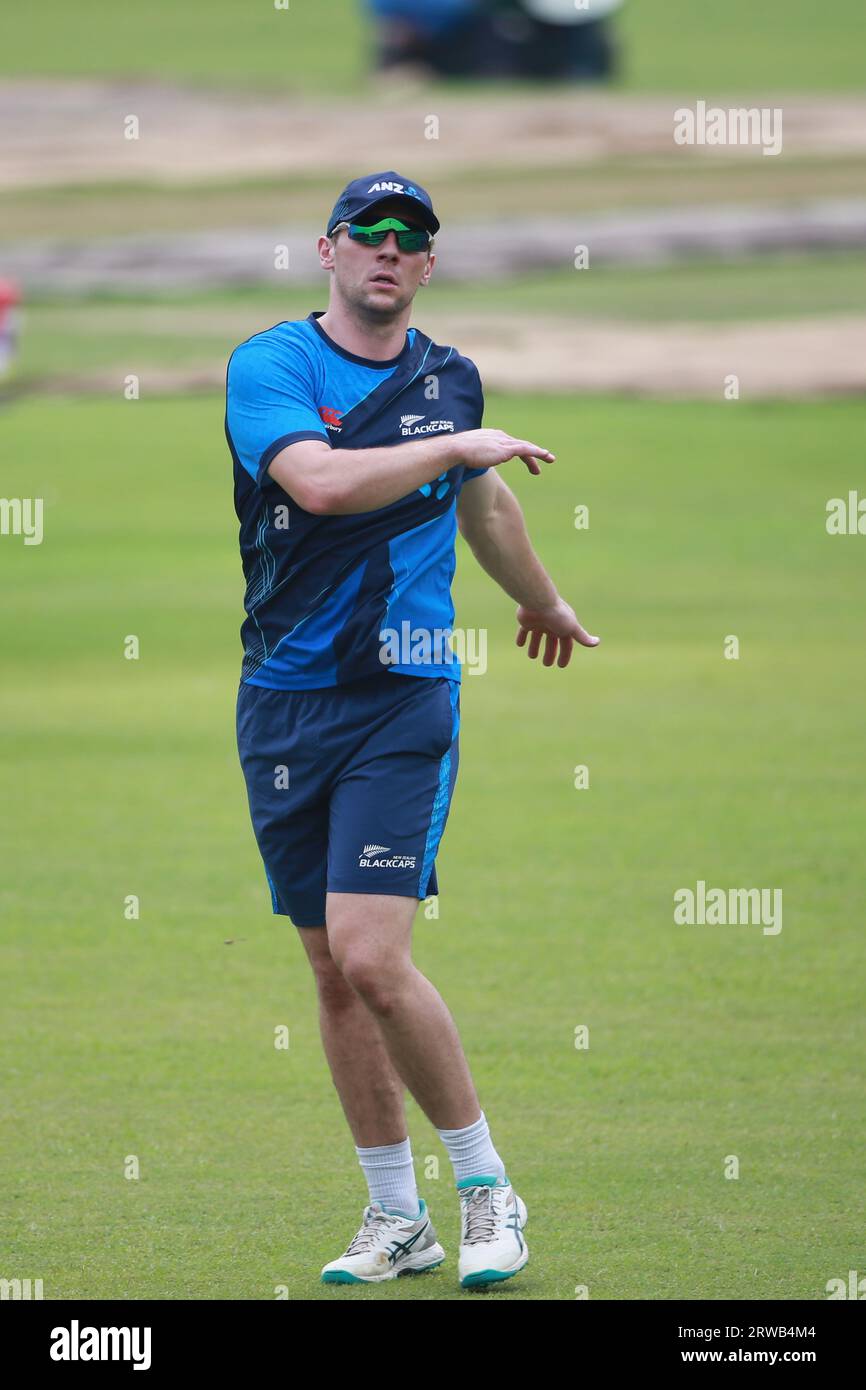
<point>330,599</point>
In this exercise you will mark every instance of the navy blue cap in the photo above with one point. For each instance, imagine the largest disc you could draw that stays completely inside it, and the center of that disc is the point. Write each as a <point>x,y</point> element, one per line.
<point>362,194</point>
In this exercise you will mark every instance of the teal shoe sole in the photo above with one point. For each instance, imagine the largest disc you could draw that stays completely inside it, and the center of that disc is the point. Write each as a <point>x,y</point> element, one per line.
<point>489,1276</point>
<point>342,1276</point>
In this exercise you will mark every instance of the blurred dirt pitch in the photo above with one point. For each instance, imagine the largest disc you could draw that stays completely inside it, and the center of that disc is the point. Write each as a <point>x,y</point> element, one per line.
<point>71,132</point>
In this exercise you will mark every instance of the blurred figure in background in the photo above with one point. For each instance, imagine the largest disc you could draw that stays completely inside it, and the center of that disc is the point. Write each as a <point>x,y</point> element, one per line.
<point>558,39</point>
<point>436,37</point>
<point>10,322</point>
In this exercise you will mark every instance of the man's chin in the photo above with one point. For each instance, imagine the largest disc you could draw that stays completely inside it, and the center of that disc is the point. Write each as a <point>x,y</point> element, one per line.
<point>382,305</point>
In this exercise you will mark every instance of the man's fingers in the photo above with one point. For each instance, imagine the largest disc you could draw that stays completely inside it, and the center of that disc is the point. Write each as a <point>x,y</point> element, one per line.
<point>526,446</point>
<point>561,656</point>
<point>526,451</point>
<point>558,649</point>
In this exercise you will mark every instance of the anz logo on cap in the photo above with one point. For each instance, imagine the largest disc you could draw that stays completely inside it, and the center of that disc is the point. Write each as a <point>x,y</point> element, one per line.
<point>410,192</point>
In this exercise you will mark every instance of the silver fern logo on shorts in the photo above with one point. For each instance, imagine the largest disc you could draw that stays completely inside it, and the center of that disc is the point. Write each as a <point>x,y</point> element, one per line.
<point>370,858</point>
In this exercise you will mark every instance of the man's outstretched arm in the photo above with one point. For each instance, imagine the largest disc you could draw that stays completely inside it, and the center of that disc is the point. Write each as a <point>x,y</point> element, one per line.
<point>332,482</point>
<point>492,524</point>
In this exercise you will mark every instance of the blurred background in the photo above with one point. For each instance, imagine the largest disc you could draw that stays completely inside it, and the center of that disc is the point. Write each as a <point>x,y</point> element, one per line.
<point>684,326</point>
<point>540,126</point>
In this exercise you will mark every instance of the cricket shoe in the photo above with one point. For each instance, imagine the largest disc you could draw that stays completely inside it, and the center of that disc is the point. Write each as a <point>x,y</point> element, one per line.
<point>385,1246</point>
<point>492,1218</point>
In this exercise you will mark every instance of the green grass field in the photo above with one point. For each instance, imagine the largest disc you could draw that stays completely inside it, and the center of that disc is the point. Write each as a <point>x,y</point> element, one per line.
<point>668,46</point>
<point>154,1037</point>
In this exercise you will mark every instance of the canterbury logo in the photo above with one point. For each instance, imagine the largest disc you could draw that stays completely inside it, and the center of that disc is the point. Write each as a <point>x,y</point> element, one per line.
<point>331,417</point>
<point>376,849</point>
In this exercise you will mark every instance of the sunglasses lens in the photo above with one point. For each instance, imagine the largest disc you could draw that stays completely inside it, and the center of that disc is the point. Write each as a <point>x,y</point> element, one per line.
<point>366,237</point>
<point>408,238</point>
<point>412,241</point>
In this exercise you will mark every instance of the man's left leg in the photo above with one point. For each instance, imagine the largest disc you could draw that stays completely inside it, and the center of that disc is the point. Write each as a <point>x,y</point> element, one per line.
<point>369,935</point>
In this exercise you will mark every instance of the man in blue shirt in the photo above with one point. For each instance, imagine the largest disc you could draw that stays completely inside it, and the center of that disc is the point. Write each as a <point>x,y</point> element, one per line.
<point>358,449</point>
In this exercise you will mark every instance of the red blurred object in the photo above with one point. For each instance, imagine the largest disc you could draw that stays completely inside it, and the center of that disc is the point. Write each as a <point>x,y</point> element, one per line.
<point>9,294</point>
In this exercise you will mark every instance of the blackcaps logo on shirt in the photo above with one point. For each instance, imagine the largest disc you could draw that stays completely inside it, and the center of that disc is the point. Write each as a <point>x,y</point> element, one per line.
<point>409,425</point>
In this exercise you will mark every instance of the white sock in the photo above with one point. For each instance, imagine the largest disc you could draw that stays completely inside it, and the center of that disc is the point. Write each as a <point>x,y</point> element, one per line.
<point>471,1151</point>
<point>390,1176</point>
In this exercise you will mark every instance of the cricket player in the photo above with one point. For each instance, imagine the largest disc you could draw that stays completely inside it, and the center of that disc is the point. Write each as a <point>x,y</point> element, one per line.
<point>358,450</point>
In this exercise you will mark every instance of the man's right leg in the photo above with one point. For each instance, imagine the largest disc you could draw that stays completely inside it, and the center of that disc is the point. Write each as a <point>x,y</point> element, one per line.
<point>371,1093</point>
<point>299,733</point>
<point>397,1233</point>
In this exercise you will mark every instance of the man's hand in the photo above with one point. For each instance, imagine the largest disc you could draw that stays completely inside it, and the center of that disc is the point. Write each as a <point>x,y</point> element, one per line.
<point>487,448</point>
<point>558,625</point>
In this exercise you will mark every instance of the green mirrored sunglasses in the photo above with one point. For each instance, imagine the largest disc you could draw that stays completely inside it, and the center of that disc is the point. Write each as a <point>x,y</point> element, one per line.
<point>408,238</point>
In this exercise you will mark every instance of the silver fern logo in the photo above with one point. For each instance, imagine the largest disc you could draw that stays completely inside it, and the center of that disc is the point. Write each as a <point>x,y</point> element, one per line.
<point>370,858</point>
<point>410,419</point>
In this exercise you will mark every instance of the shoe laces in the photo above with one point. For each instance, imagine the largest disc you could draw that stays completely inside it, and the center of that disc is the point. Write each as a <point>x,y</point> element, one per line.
<point>375,1222</point>
<point>479,1214</point>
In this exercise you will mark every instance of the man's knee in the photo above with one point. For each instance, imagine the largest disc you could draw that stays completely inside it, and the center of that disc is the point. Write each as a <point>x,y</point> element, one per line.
<point>332,986</point>
<point>360,971</point>
<point>378,982</point>
<point>375,971</point>
<point>368,936</point>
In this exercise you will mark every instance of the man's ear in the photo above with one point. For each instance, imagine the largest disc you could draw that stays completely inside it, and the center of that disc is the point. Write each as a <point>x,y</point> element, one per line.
<point>428,269</point>
<point>325,247</point>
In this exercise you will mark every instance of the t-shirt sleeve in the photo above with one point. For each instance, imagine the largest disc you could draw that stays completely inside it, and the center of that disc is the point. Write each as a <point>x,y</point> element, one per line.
<point>270,403</point>
<point>470,473</point>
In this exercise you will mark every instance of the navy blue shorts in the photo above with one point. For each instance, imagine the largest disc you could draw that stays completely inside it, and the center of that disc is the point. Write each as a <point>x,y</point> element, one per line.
<point>350,786</point>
